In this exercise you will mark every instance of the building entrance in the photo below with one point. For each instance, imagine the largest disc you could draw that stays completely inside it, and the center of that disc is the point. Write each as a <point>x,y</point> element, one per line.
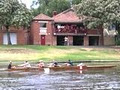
<point>78,40</point>
<point>93,40</point>
<point>60,40</point>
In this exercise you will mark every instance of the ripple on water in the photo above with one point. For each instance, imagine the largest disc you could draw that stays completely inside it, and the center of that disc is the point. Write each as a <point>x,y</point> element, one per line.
<point>61,80</point>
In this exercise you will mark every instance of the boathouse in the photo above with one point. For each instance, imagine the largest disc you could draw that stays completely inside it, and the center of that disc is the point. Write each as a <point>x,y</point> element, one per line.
<point>65,28</point>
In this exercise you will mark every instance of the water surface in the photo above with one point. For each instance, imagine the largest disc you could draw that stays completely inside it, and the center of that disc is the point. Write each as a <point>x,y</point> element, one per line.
<point>61,80</point>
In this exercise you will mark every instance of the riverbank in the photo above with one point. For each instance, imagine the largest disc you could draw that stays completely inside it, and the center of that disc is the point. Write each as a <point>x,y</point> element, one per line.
<point>58,53</point>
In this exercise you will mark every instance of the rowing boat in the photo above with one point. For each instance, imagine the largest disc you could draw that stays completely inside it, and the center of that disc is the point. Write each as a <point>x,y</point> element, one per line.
<point>62,68</point>
<point>100,67</point>
<point>25,69</point>
<point>81,67</point>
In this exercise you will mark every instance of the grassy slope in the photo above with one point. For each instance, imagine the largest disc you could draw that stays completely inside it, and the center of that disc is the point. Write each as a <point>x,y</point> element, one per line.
<point>60,53</point>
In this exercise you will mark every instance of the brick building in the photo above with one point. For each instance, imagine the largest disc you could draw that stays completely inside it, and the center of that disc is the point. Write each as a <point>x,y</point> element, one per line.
<point>65,28</point>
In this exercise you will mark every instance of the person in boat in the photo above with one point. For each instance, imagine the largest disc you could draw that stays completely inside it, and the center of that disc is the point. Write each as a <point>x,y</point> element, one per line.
<point>41,64</point>
<point>25,65</point>
<point>70,63</point>
<point>10,65</point>
<point>54,64</point>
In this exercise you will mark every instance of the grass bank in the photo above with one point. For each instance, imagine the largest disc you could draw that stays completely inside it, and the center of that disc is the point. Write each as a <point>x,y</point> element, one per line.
<point>59,53</point>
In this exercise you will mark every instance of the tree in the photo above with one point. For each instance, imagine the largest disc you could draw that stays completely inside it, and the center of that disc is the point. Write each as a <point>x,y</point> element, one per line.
<point>13,13</point>
<point>99,12</point>
<point>48,6</point>
<point>58,6</point>
<point>75,2</point>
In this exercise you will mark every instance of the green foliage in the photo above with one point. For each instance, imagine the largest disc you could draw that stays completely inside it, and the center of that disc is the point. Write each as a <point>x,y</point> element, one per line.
<point>13,13</point>
<point>99,12</point>
<point>48,6</point>
<point>75,2</point>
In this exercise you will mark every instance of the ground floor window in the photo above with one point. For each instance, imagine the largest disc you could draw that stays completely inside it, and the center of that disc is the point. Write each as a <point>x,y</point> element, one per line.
<point>93,40</point>
<point>13,38</point>
<point>78,40</point>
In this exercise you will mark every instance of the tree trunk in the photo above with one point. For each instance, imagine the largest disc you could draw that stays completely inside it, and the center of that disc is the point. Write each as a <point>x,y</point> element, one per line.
<point>8,35</point>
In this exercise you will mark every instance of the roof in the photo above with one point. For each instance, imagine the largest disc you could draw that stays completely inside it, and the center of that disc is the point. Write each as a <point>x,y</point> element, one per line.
<point>68,16</point>
<point>42,17</point>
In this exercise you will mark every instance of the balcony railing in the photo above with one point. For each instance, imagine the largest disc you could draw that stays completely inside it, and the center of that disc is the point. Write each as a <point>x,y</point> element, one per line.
<point>70,29</point>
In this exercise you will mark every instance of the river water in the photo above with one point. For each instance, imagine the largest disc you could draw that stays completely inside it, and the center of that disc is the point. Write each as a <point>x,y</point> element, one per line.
<point>99,79</point>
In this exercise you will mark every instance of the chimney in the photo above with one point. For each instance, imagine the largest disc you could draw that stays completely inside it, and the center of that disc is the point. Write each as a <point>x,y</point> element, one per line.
<point>54,13</point>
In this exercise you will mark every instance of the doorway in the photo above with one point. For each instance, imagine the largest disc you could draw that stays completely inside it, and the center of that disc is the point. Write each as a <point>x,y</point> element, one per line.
<point>60,40</point>
<point>93,40</point>
<point>78,40</point>
<point>42,39</point>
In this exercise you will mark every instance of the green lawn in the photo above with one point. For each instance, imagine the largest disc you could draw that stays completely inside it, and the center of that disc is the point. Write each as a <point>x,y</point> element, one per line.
<point>59,53</point>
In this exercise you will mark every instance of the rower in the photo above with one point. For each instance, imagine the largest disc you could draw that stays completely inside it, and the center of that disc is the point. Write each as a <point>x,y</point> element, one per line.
<point>10,65</point>
<point>26,64</point>
<point>69,63</point>
<point>41,64</point>
<point>54,64</point>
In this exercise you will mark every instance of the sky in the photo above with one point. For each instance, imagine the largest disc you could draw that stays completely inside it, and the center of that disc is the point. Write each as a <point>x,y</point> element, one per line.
<point>27,2</point>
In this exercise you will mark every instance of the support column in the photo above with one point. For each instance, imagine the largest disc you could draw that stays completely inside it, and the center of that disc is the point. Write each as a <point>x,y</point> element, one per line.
<point>54,41</point>
<point>86,41</point>
<point>70,40</point>
<point>101,40</point>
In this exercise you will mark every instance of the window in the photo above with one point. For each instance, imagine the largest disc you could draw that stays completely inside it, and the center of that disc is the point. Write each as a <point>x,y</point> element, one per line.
<point>42,25</point>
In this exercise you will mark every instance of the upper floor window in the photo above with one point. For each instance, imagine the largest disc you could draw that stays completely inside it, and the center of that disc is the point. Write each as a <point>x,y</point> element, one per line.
<point>43,25</point>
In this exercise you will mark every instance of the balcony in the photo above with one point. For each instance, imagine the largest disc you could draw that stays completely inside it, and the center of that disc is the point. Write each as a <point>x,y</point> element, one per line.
<point>70,30</point>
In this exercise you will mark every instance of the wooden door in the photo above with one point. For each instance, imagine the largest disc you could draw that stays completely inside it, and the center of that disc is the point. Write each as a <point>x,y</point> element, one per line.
<point>42,39</point>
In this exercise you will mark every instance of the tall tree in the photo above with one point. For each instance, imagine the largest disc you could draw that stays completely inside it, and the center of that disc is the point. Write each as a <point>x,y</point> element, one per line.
<point>58,6</point>
<point>13,13</point>
<point>99,12</point>
<point>48,6</point>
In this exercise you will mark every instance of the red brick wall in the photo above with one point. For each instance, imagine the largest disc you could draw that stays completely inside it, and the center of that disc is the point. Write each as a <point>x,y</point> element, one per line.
<point>34,33</point>
<point>49,36</point>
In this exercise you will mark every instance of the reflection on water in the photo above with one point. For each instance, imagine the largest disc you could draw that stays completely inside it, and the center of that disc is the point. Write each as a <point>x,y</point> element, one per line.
<point>61,80</point>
